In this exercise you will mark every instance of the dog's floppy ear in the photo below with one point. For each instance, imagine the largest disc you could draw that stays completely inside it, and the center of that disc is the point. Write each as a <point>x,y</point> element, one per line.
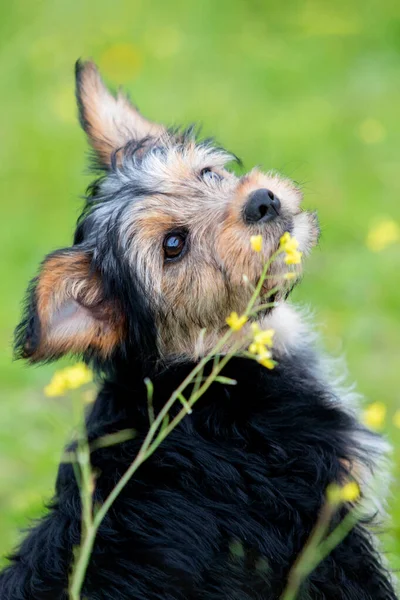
<point>66,311</point>
<point>109,121</point>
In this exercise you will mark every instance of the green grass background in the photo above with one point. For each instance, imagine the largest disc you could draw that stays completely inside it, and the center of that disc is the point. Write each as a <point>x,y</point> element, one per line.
<point>310,88</point>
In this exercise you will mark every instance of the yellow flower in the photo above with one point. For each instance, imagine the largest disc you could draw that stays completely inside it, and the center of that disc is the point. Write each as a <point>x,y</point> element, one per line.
<point>351,492</point>
<point>396,419</point>
<point>288,243</point>
<point>382,235</point>
<point>293,257</point>
<point>256,242</point>
<point>235,322</point>
<point>261,344</point>
<point>265,359</point>
<point>264,337</point>
<point>56,387</point>
<point>69,378</point>
<point>289,276</point>
<point>78,375</point>
<point>336,494</point>
<point>290,246</point>
<point>375,415</point>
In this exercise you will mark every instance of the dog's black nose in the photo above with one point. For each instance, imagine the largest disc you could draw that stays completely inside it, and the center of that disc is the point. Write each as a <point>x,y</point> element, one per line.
<point>262,206</point>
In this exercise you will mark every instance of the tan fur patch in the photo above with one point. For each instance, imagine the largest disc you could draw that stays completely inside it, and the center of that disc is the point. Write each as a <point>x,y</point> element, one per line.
<point>66,285</point>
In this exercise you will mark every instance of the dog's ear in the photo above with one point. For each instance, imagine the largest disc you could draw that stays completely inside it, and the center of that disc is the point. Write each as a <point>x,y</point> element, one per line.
<point>109,121</point>
<point>66,311</point>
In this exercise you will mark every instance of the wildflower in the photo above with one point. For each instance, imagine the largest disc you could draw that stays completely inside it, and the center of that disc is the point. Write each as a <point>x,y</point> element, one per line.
<point>256,242</point>
<point>382,235</point>
<point>396,419</point>
<point>261,344</point>
<point>293,258</point>
<point>265,359</point>
<point>374,415</point>
<point>235,322</point>
<point>264,337</point>
<point>69,378</point>
<point>351,492</point>
<point>290,245</point>
<point>56,387</point>
<point>336,494</point>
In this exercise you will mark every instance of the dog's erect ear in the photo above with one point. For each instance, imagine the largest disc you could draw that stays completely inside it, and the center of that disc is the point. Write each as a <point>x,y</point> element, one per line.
<point>109,121</point>
<point>66,311</point>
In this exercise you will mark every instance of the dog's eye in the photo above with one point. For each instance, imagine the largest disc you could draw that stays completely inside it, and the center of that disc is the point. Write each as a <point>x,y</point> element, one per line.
<point>174,244</point>
<point>208,174</point>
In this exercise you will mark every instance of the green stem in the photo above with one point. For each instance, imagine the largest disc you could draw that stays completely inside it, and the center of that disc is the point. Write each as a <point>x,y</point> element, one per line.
<point>317,548</point>
<point>81,564</point>
<point>259,285</point>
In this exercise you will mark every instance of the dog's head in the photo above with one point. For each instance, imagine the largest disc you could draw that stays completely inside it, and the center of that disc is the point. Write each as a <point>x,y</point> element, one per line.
<point>162,249</point>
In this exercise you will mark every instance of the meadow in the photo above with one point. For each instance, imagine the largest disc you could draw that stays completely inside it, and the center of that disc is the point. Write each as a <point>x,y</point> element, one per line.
<point>309,88</point>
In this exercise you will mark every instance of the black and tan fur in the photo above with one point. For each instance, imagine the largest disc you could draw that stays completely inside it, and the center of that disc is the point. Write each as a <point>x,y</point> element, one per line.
<point>249,468</point>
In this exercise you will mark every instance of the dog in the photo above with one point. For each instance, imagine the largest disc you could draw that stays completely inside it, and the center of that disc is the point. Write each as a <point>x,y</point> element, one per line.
<point>161,256</point>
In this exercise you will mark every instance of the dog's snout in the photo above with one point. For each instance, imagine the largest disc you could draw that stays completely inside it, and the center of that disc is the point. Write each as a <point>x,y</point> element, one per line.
<point>262,206</point>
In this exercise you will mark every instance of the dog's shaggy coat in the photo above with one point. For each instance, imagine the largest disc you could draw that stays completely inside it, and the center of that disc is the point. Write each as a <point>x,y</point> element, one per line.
<point>224,506</point>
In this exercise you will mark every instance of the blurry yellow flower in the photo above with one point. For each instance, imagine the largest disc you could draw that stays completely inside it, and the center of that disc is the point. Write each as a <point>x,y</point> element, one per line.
<point>383,234</point>
<point>256,348</point>
<point>256,242</point>
<point>121,61</point>
<point>289,276</point>
<point>56,387</point>
<point>264,337</point>
<point>265,359</point>
<point>375,415</point>
<point>69,378</point>
<point>396,419</point>
<point>290,245</point>
<point>77,375</point>
<point>235,322</point>
<point>350,492</point>
<point>293,257</point>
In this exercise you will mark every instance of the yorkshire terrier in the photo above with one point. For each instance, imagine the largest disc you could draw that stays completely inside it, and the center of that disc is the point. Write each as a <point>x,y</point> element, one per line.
<point>161,256</point>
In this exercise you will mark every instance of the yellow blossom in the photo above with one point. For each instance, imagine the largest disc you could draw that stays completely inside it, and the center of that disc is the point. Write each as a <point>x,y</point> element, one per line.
<point>382,235</point>
<point>256,242</point>
<point>293,257</point>
<point>265,359</point>
<point>69,378</point>
<point>264,337</point>
<point>261,344</point>
<point>235,322</point>
<point>351,491</point>
<point>56,387</point>
<point>290,245</point>
<point>336,494</point>
<point>396,419</point>
<point>256,348</point>
<point>375,415</point>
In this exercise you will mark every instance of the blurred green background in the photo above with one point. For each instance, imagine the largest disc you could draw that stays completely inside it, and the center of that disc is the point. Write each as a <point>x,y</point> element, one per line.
<point>309,88</point>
